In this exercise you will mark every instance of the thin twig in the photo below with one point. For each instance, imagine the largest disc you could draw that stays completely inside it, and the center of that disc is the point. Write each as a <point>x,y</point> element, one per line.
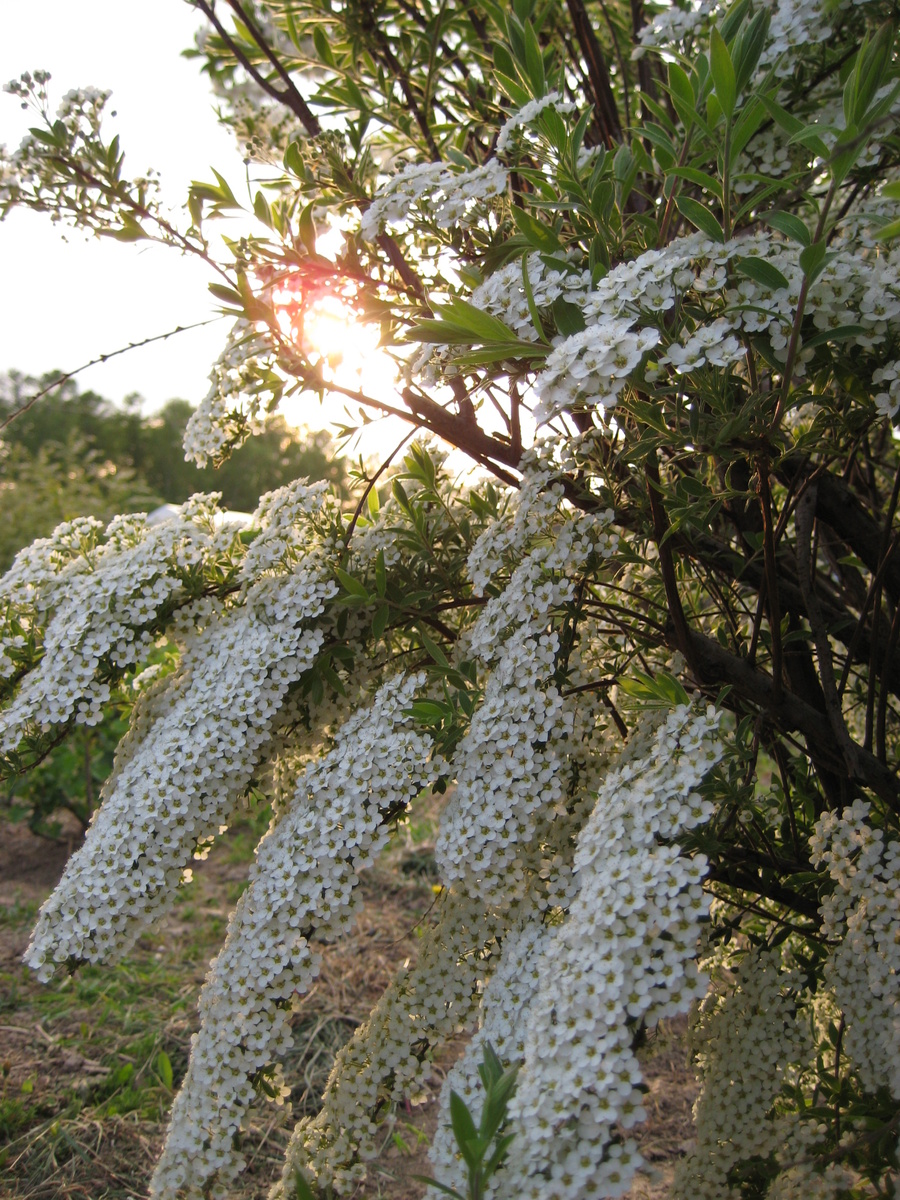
<point>101,358</point>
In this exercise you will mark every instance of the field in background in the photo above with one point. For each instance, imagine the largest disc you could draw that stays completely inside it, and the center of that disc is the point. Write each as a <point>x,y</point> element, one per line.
<point>89,1064</point>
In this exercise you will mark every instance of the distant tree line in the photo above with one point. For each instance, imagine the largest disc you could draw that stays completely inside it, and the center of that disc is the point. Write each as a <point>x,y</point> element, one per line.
<point>76,453</point>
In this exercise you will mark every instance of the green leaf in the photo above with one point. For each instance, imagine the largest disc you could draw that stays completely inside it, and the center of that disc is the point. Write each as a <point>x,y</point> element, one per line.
<point>813,259</point>
<point>351,585</point>
<point>842,333</point>
<point>434,650</point>
<point>700,217</point>
<point>262,210</point>
<point>164,1069</point>
<point>749,46</point>
<point>734,19</point>
<point>306,226</point>
<point>226,294</point>
<point>781,116</point>
<point>722,69</point>
<point>302,1188</point>
<point>507,352</point>
<point>226,192</point>
<point>534,60</point>
<point>888,232</point>
<point>320,41</point>
<point>762,272</point>
<point>130,231</point>
<point>682,95</point>
<point>380,620</point>
<point>399,493</point>
<point>535,232</point>
<point>427,711</point>
<point>709,182</point>
<point>463,1128</point>
<point>568,317</point>
<point>529,297</point>
<point>380,573</point>
<point>788,224</point>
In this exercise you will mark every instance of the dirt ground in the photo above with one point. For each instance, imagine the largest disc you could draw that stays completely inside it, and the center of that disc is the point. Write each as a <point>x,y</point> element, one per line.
<point>88,1066</point>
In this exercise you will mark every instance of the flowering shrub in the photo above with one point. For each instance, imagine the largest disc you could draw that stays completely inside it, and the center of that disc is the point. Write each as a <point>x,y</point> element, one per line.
<point>638,265</point>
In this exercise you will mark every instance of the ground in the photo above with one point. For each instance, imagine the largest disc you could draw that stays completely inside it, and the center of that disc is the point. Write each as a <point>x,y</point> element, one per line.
<point>88,1064</point>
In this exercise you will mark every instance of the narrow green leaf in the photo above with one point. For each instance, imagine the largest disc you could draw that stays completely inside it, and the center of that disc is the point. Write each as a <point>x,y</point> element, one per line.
<point>700,217</point>
<point>722,69</point>
<point>788,224</point>
<point>842,333</point>
<point>789,123</point>
<point>164,1069</point>
<point>323,49</point>
<point>534,60</point>
<point>380,573</point>
<point>812,259</point>
<point>434,650</point>
<point>682,95</point>
<point>529,297</point>
<point>535,232</point>
<point>380,620</point>
<point>762,272</point>
<point>734,19</point>
<point>709,182</point>
<point>306,227</point>
<point>463,1127</point>
<point>888,232</point>
<point>351,585</point>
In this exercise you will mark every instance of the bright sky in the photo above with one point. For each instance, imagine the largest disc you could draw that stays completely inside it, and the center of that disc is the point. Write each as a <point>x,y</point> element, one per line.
<point>66,302</point>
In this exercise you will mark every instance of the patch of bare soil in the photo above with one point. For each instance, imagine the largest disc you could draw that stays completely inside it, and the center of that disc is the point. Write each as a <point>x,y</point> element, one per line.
<point>83,1095</point>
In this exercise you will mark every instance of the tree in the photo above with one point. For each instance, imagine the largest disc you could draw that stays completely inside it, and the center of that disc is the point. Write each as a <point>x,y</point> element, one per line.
<point>652,660</point>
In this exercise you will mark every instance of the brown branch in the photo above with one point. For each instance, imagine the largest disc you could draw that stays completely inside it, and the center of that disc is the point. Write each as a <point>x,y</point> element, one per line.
<point>804,517</point>
<point>290,97</point>
<point>714,666</point>
<point>101,358</point>
<point>765,502</point>
<point>666,562</point>
<point>604,103</point>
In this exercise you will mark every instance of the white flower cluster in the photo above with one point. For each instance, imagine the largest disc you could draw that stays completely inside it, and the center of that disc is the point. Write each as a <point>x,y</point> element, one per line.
<point>503,293</point>
<point>511,765</point>
<point>105,599</point>
<point>525,115</point>
<point>751,1039</point>
<point>513,757</point>
<point>862,916</point>
<point>795,23</point>
<point>388,1059</point>
<point>504,1011</point>
<point>591,367</point>
<point>888,402</point>
<point>432,193</point>
<point>624,953</point>
<point>242,390</point>
<point>535,514</point>
<point>301,887</point>
<point>198,733</point>
<point>674,25</point>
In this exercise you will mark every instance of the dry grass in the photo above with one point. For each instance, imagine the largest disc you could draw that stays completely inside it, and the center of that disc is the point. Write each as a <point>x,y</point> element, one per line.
<point>84,1089</point>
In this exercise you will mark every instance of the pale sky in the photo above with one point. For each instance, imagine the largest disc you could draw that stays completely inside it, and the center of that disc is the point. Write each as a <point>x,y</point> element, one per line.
<point>66,302</point>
